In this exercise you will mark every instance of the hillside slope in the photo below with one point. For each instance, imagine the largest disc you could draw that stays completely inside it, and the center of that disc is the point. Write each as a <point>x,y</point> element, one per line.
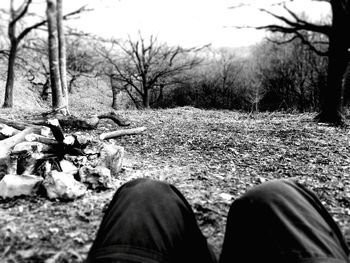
<point>91,95</point>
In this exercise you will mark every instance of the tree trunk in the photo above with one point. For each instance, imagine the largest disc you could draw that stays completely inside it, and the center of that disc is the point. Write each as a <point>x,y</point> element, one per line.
<point>8,100</point>
<point>62,51</point>
<point>115,92</point>
<point>331,95</point>
<point>146,98</point>
<point>58,99</point>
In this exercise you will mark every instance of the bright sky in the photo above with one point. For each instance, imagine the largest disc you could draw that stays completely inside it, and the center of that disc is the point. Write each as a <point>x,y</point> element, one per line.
<point>183,22</point>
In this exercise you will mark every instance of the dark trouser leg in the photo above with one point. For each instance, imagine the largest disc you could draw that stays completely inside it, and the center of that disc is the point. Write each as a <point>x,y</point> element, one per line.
<point>149,222</point>
<point>281,221</point>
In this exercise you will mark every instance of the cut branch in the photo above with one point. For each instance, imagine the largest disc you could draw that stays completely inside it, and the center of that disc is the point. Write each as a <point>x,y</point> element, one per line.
<point>16,124</point>
<point>116,118</point>
<point>115,134</point>
<point>7,144</point>
<point>39,138</point>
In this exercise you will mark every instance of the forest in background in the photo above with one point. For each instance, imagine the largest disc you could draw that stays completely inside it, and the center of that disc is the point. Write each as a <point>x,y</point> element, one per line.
<point>265,77</point>
<point>288,71</point>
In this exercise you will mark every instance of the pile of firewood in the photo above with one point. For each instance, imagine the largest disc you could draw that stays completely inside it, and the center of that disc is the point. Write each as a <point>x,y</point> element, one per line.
<point>38,157</point>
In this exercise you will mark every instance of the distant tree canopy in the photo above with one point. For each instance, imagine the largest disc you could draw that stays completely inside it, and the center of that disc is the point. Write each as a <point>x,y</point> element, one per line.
<point>145,67</point>
<point>268,77</point>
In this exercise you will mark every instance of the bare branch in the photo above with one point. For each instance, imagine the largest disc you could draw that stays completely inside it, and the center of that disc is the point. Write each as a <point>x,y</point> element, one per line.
<point>297,25</point>
<point>310,45</point>
<point>22,13</point>
<point>4,52</point>
<point>39,24</point>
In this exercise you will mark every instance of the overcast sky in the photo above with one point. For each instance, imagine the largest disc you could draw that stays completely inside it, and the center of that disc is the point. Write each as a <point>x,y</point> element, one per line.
<point>183,22</point>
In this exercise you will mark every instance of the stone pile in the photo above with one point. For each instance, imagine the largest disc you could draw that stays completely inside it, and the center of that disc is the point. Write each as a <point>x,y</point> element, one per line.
<point>56,165</point>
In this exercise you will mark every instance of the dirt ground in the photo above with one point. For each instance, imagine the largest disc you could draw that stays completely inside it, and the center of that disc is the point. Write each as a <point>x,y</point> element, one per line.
<point>205,154</point>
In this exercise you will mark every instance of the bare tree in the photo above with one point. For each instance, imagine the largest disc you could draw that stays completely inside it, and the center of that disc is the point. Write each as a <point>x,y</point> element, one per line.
<point>16,17</point>
<point>82,58</point>
<point>146,66</point>
<point>228,68</point>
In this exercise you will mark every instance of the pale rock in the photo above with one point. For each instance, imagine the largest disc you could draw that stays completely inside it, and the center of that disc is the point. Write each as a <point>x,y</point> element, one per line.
<point>31,137</point>
<point>45,131</point>
<point>83,139</point>
<point>68,167</point>
<point>69,139</point>
<point>15,185</point>
<point>63,186</point>
<point>93,120</point>
<point>112,157</point>
<point>96,177</point>
<point>8,131</point>
<point>226,197</point>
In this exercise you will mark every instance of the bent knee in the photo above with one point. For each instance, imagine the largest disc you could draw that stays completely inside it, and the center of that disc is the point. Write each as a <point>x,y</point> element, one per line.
<point>145,187</point>
<point>272,190</point>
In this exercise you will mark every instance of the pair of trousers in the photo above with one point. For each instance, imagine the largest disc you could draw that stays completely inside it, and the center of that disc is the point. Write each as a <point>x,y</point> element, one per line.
<point>279,221</point>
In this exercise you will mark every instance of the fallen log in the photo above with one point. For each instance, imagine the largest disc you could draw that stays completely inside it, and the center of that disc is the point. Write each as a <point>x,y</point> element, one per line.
<point>116,118</point>
<point>73,122</point>
<point>70,121</point>
<point>15,124</point>
<point>7,131</point>
<point>118,133</point>
<point>39,138</point>
<point>31,147</point>
<point>92,122</point>
<point>7,144</point>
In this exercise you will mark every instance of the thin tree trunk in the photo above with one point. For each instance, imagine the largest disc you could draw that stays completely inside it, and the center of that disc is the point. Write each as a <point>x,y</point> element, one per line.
<point>115,98</point>
<point>115,92</point>
<point>62,51</point>
<point>58,100</point>
<point>8,100</point>
<point>146,97</point>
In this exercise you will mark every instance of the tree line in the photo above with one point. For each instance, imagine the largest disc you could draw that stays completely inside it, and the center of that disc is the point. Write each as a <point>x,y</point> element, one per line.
<point>301,67</point>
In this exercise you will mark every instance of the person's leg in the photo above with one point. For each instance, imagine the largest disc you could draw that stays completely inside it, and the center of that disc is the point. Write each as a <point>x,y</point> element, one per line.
<point>150,222</point>
<point>281,221</point>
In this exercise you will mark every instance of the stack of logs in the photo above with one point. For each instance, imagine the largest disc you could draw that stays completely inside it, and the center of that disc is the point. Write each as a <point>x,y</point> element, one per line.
<point>38,157</point>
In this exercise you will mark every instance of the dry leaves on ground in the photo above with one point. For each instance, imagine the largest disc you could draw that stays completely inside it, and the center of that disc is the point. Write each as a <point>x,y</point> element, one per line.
<point>211,156</point>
